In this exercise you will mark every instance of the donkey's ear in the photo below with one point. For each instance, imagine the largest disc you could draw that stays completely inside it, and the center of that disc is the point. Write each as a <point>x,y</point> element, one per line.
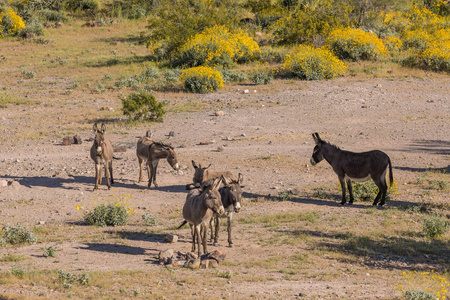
<point>240,179</point>
<point>95,127</point>
<point>195,165</point>
<point>216,183</point>
<point>316,138</point>
<point>226,180</point>
<point>103,128</point>
<point>149,134</point>
<point>204,168</point>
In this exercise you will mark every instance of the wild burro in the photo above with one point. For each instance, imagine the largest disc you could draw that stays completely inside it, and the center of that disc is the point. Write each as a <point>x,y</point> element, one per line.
<point>203,174</point>
<point>231,194</point>
<point>157,151</point>
<point>199,208</point>
<point>355,166</point>
<point>102,153</point>
<point>142,152</point>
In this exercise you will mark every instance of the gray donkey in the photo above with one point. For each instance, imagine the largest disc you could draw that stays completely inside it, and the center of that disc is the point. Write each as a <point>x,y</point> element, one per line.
<point>198,210</point>
<point>156,151</point>
<point>102,154</point>
<point>231,199</point>
<point>142,151</point>
<point>355,166</point>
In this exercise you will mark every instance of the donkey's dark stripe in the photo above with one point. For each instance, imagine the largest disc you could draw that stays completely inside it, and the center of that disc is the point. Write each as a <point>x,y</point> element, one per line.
<point>355,166</point>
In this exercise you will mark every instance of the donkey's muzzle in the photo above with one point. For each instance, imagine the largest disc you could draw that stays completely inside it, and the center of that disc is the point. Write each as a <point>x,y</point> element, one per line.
<point>312,161</point>
<point>221,210</point>
<point>237,207</point>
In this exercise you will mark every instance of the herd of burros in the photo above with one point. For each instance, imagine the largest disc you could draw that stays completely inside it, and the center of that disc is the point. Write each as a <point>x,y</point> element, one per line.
<point>214,195</point>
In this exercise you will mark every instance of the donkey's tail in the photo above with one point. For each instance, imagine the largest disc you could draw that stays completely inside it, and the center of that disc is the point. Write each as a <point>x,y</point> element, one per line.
<point>391,176</point>
<point>182,224</point>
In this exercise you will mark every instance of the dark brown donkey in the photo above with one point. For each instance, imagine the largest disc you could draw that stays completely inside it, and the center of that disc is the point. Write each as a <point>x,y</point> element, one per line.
<point>156,151</point>
<point>102,154</point>
<point>231,199</point>
<point>355,166</point>
<point>142,149</point>
<point>198,210</point>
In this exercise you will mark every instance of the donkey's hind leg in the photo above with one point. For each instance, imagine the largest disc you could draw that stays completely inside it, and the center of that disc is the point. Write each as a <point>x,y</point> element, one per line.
<point>111,172</point>
<point>382,187</point>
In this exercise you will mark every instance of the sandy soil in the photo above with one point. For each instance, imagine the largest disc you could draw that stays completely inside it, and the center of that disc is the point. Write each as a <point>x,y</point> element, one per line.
<point>265,135</point>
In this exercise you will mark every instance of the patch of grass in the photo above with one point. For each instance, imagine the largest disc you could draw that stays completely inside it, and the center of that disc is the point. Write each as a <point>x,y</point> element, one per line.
<point>11,257</point>
<point>281,218</point>
<point>7,99</point>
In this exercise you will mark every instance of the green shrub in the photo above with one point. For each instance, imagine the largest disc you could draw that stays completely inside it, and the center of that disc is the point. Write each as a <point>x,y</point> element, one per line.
<point>262,78</point>
<point>10,22</point>
<point>52,16</point>
<point>419,295</point>
<point>273,55</point>
<point>434,226</point>
<point>368,190</point>
<point>232,76</point>
<point>143,106</point>
<point>217,46</point>
<point>201,80</point>
<point>172,75</point>
<point>173,22</point>
<point>149,73</point>
<point>50,251</point>
<point>16,235</point>
<point>149,219</point>
<point>308,63</point>
<point>107,215</point>
<point>82,5</point>
<point>356,44</point>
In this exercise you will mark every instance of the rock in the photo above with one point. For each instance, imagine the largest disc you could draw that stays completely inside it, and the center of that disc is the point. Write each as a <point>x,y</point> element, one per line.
<point>192,263</point>
<point>295,192</point>
<point>213,263</point>
<point>219,113</point>
<point>77,139</point>
<point>68,140</point>
<point>171,238</point>
<point>204,143</point>
<point>58,25</point>
<point>220,149</point>
<point>217,255</point>
<point>165,256</point>
<point>3,183</point>
<point>171,134</point>
<point>246,91</point>
<point>204,264</point>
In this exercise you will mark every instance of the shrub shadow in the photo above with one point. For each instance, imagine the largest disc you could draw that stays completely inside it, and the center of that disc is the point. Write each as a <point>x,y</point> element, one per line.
<point>113,248</point>
<point>403,253</point>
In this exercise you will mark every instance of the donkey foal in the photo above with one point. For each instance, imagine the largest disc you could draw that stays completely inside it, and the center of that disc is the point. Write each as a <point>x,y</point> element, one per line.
<point>355,166</point>
<point>142,149</point>
<point>202,174</point>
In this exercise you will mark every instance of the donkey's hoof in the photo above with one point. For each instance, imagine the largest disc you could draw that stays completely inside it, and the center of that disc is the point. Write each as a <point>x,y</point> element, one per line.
<point>230,245</point>
<point>342,203</point>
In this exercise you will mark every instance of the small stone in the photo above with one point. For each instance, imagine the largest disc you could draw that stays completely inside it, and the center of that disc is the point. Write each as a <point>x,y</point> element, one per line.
<point>192,263</point>
<point>246,91</point>
<point>217,255</point>
<point>213,263</point>
<point>204,264</point>
<point>220,149</point>
<point>219,113</point>
<point>171,134</point>
<point>171,238</point>
<point>204,143</point>
<point>165,256</point>
<point>3,183</point>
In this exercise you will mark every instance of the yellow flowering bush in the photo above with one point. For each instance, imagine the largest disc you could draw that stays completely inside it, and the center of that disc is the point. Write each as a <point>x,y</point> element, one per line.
<point>356,44</point>
<point>437,56</point>
<point>217,46</point>
<point>308,63</point>
<point>424,284</point>
<point>201,80</point>
<point>416,39</point>
<point>393,44</point>
<point>10,22</point>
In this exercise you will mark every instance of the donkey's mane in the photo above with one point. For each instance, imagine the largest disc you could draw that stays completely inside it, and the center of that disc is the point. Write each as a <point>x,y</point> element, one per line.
<point>162,144</point>
<point>332,145</point>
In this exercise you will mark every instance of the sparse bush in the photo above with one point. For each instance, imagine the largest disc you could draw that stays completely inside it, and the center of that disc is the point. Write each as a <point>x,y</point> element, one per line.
<point>434,226</point>
<point>419,295</point>
<point>50,251</point>
<point>16,235</point>
<point>82,5</point>
<point>52,15</point>
<point>18,271</point>
<point>201,80</point>
<point>35,27</point>
<point>308,63</point>
<point>149,220</point>
<point>232,76</point>
<point>28,74</point>
<point>172,75</point>
<point>217,46</point>
<point>149,73</point>
<point>356,44</point>
<point>368,190</point>
<point>143,106</point>
<point>107,215</point>
<point>439,184</point>
<point>262,78</point>
<point>273,55</point>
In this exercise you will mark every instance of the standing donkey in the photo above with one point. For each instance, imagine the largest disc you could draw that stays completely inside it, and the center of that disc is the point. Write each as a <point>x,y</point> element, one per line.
<point>198,210</point>
<point>355,166</point>
<point>102,154</point>
<point>231,199</point>
<point>142,149</point>
<point>156,151</point>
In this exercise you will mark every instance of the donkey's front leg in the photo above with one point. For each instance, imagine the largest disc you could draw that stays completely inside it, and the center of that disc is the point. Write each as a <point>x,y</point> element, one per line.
<point>153,172</point>
<point>230,242</point>
<point>350,191</point>
<point>216,230</point>
<point>342,181</point>
<point>98,173</point>
<point>107,173</point>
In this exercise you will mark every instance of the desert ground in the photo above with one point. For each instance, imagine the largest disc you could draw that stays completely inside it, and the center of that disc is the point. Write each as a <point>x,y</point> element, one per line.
<point>292,238</point>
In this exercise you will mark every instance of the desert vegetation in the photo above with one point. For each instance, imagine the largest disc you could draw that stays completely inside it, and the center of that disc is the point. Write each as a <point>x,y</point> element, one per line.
<point>185,68</point>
